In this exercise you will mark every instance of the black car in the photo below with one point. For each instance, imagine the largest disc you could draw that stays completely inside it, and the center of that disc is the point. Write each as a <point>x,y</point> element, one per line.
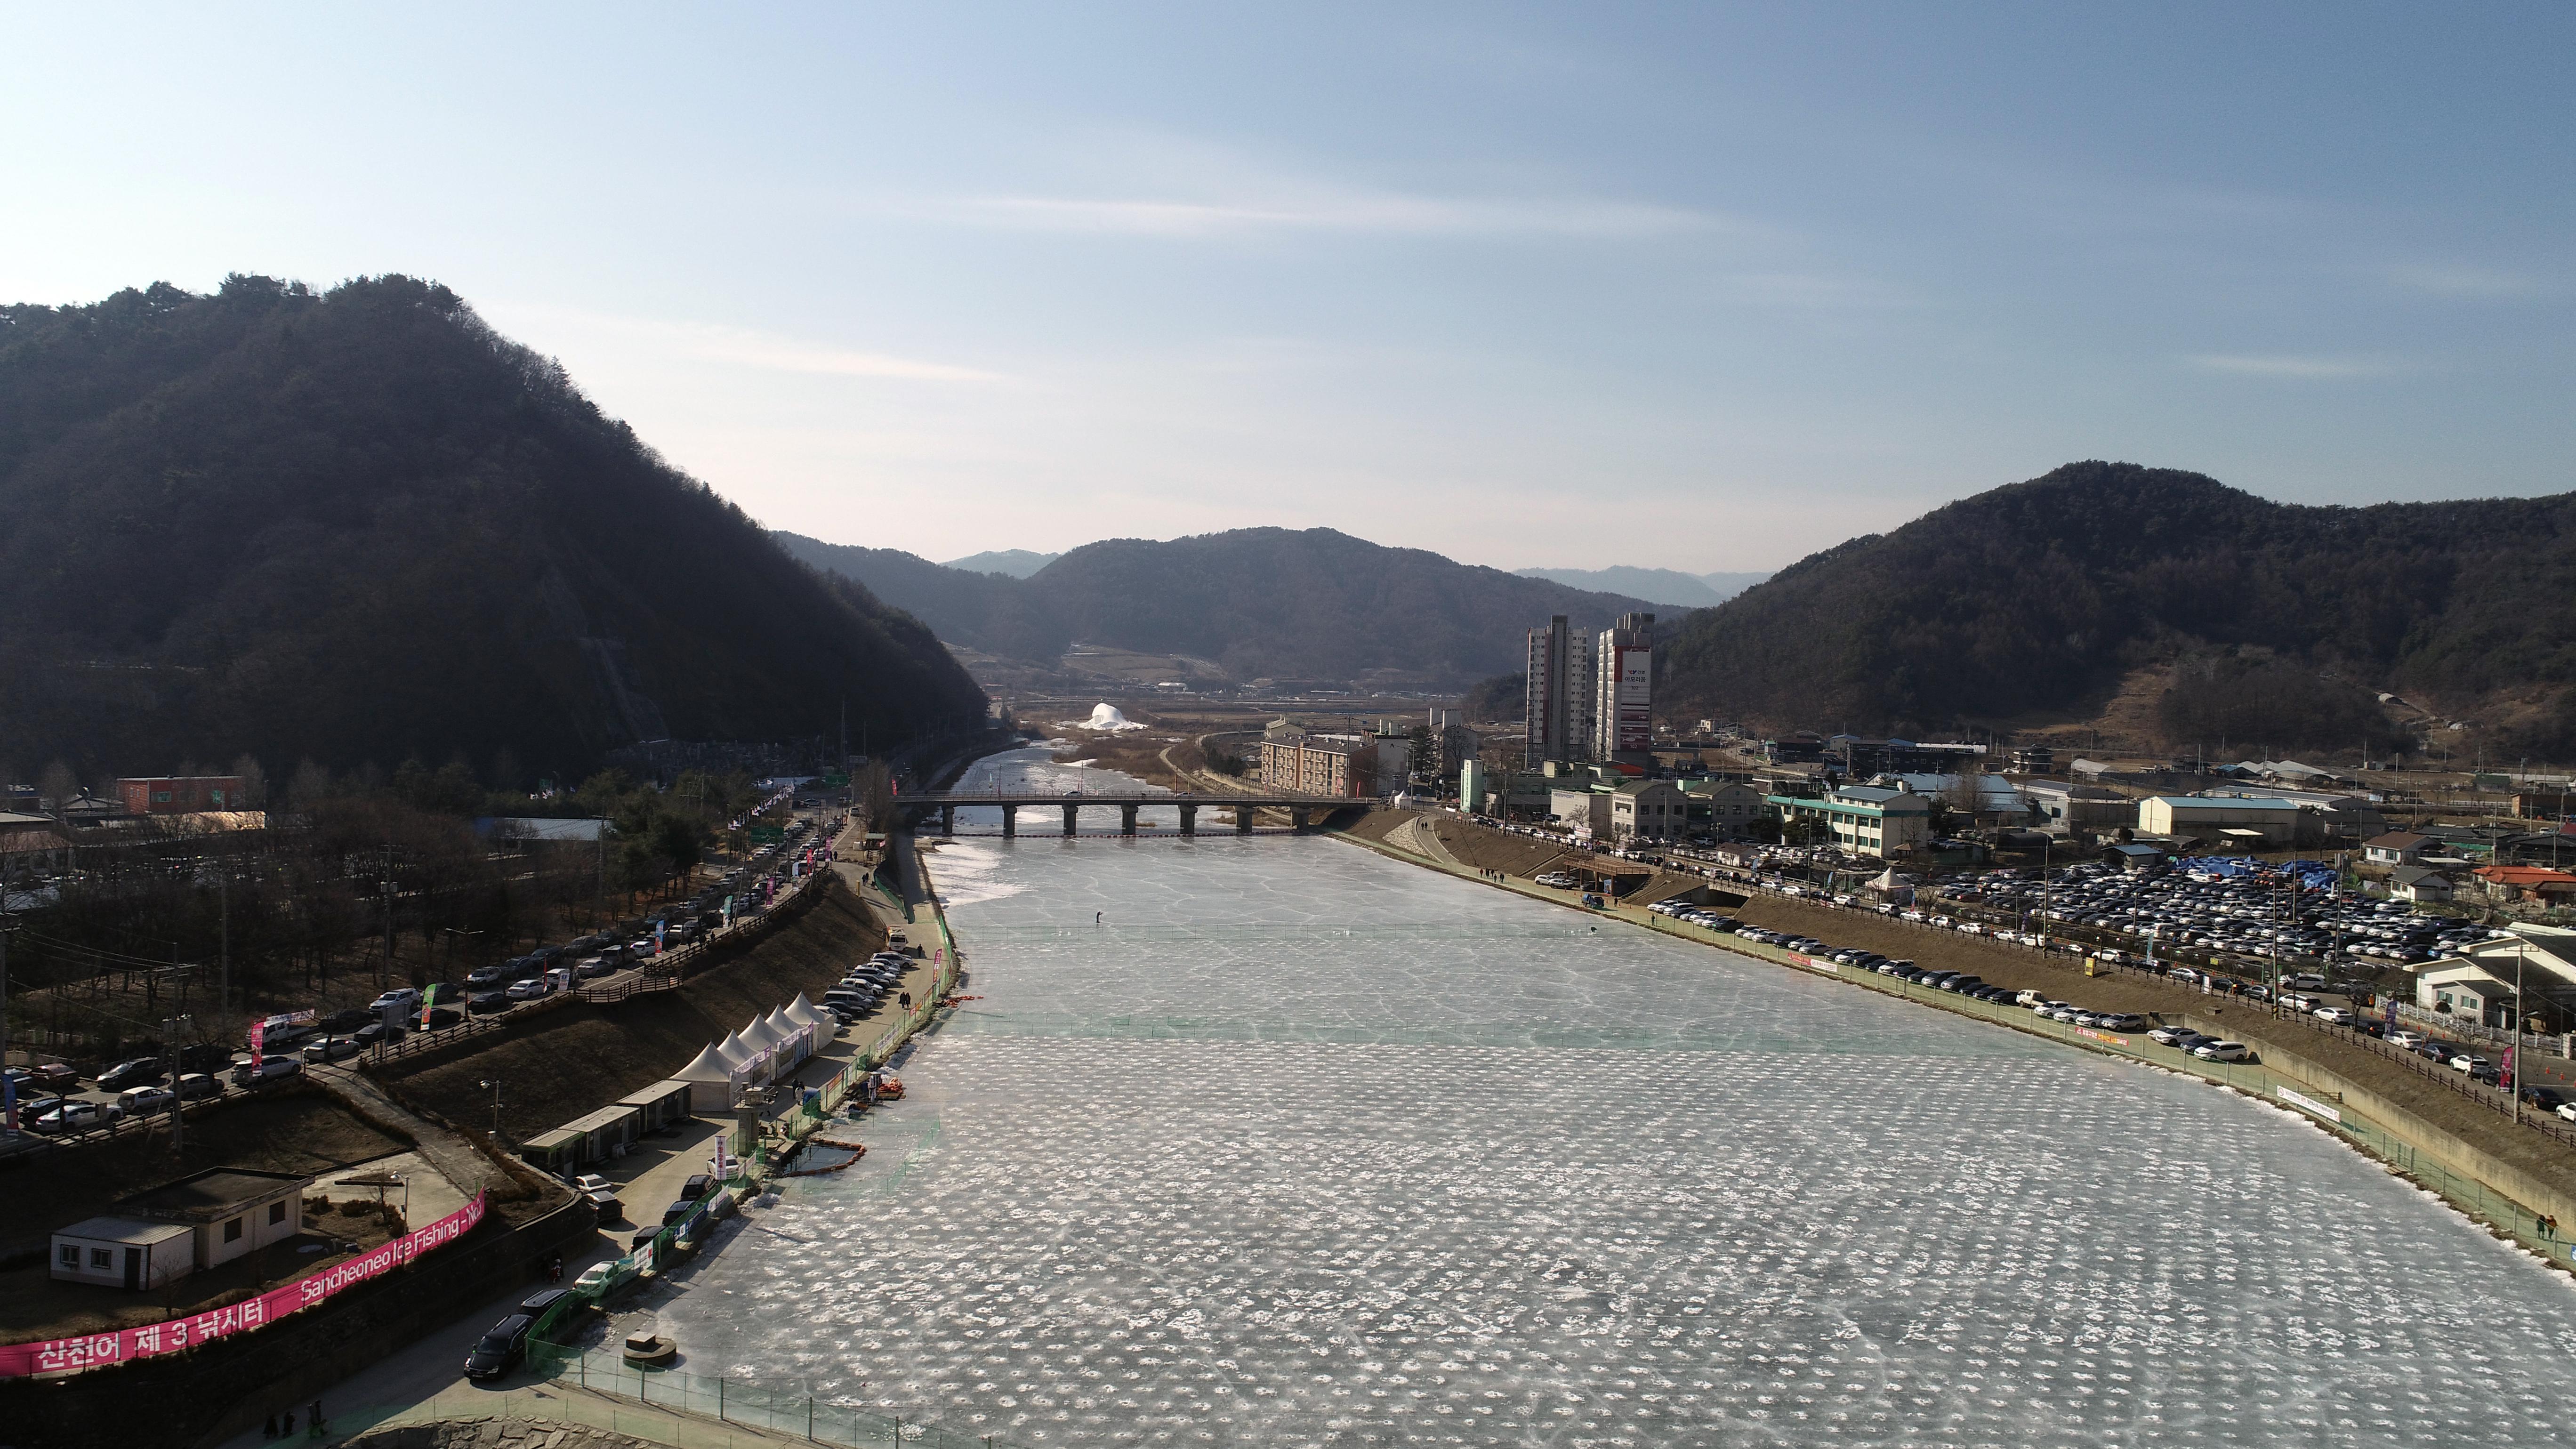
<point>443,1016</point>
<point>489,1003</point>
<point>139,1072</point>
<point>374,1032</point>
<point>2547,1099</point>
<point>696,1187</point>
<point>679,1209</point>
<point>500,1348</point>
<point>341,1023</point>
<point>642,1237</point>
<point>536,1304</point>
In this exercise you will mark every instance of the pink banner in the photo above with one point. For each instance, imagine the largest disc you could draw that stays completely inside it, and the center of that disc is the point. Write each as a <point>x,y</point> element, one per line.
<point>66,1355</point>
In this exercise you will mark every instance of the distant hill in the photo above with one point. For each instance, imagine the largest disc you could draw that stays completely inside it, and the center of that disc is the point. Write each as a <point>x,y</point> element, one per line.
<point>1670,587</point>
<point>1019,563</point>
<point>2278,622</point>
<point>1262,602</point>
<point>360,526</point>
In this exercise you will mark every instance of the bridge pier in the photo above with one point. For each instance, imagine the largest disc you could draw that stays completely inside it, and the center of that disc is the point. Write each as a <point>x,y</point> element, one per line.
<point>1243,819</point>
<point>1069,812</point>
<point>1297,818</point>
<point>1126,819</point>
<point>1189,820</point>
<point>948,820</point>
<point>1010,822</point>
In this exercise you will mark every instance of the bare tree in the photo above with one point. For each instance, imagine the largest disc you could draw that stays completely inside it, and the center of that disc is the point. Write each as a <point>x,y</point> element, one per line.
<point>254,787</point>
<point>309,787</point>
<point>57,787</point>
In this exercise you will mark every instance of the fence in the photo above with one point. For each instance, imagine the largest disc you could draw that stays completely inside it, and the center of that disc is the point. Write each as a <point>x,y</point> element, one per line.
<point>669,1406</point>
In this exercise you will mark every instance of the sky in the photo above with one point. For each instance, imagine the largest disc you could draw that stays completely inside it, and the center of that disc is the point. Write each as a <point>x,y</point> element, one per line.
<point>1705,287</point>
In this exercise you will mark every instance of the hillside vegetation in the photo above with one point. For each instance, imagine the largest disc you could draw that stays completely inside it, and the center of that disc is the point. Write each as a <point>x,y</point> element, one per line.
<point>1261,602</point>
<point>360,526</point>
<point>2278,620</point>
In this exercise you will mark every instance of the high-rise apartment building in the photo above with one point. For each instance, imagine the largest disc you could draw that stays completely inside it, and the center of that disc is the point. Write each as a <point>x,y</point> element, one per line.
<point>1559,698</point>
<point>1623,702</point>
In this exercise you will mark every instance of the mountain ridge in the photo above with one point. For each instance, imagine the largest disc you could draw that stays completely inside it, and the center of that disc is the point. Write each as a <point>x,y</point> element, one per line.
<point>359,525</point>
<point>2279,621</point>
<point>1261,602</point>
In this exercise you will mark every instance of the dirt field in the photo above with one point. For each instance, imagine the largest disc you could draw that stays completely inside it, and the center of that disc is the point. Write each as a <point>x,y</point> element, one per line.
<point>573,1060</point>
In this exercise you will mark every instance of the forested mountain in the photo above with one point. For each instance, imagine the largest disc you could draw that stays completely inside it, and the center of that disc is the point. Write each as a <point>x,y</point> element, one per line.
<point>1019,563</point>
<point>1262,602</point>
<point>1669,587</point>
<point>360,526</point>
<point>2031,601</point>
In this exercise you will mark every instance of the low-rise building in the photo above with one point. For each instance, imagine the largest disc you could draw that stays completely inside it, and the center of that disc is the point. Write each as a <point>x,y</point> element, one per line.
<point>1864,819</point>
<point>1584,807</point>
<point>2513,884</point>
<point>1318,764</point>
<point>2282,823</point>
<point>2065,808</point>
<point>1724,809</point>
<point>181,794</point>
<point>1649,810</point>
<point>2420,884</point>
<point>2481,982</point>
<point>201,1221</point>
<point>2397,847</point>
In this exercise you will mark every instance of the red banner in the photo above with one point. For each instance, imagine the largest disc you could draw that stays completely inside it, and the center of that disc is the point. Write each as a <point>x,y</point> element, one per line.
<point>98,1350</point>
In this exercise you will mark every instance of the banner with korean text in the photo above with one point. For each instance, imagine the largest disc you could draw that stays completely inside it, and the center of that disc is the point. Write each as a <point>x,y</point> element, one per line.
<point>98,1350</point>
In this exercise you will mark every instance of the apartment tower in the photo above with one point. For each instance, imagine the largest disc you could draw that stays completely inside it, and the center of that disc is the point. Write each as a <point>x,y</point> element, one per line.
<point>1623,701</point>
<point>1560,694</point>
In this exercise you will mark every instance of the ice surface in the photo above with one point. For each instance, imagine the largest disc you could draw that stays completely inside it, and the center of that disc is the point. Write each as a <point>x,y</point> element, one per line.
<point>1303,1146</point>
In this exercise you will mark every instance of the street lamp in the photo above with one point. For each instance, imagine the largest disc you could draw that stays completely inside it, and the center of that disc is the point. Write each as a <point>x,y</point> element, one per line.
<point>494,1084</point>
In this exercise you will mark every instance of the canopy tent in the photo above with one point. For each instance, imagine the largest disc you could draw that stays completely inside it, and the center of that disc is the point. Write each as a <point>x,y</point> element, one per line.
<point>807,1012</point>
<point>795,1038</point>
<point>717,1075</point>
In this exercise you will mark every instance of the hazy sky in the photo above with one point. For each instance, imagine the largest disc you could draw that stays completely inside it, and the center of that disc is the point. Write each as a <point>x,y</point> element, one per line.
<point>1704,287</point>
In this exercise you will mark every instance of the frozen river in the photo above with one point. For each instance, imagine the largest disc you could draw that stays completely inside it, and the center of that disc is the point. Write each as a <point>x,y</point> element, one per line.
<point>1302,1146</point>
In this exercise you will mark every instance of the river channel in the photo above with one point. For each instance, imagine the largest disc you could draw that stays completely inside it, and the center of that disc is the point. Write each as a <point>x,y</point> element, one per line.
<point>1298,1145</point>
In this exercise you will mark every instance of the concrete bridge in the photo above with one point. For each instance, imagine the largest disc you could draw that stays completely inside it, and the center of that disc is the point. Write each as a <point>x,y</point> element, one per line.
<point>1300,808</point>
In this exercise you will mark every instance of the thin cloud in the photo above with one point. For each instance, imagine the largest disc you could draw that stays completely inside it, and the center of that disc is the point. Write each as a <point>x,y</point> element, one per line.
<point>2291,365</point>
<point>1314,209</point>
<point>2470,282</point>
<point>765,351</point>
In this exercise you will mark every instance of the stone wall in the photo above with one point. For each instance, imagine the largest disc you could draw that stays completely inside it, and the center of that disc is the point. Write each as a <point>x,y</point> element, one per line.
<point>501,1433</point>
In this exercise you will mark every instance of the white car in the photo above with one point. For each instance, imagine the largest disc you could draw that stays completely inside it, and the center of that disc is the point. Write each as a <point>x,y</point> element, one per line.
<point>2222,1051</point>
<point>595,1277</point>
<point>144,1101</point>
<point>593,1182</point>
<point>401,996</point>
<point>2567,1110</point>
<point>2338,1015</point>
<point>79,1117</point>
<point>332,1049</point>
<point>2407,1040</point>
<point>530,989</point>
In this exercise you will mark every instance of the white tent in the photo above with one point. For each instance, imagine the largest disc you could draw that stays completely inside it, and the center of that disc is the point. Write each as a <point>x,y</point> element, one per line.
<point>807,1012</point>
<point>759,1035</point>
<point>714,1070</point>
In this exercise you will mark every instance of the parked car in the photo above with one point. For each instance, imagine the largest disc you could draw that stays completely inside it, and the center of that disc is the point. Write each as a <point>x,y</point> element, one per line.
<point>135,1072</point>
<point>488,1003</point>
<point>593,966</point>
<point>697,1185</point>
<point>500,1348</point>
<point>79,1117</point>
<point>266,1070</point>
<point>332,1049</point>
<point>196,1086</point>
<point>535,988</point>
<point>677,1209</point>
<point>35,1110</point>
<point>440,1017</point>
<point>344,1022</point>
<point>402,997</point>
<point>2223,1051</point>
<point>144,1101</point>
<point>534,1306</point>
<point>2336,1015</point>
<point>374,1032</point>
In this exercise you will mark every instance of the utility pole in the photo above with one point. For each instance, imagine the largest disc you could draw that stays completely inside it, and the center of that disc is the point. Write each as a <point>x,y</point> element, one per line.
<point>178,1106</point>
<point>224,947</point>
<point>7,925</point>
<point>495,1084</point>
